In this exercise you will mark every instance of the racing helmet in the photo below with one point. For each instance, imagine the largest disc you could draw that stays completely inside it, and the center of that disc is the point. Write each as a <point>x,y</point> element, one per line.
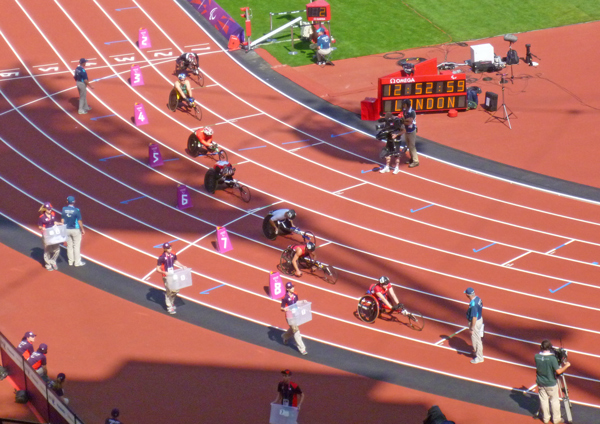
<point>290,214</point>
<point>190,57</point>
<point>310,246</point>
<point>208,131</point>
<point>383,280</point>
<point>181,76</point>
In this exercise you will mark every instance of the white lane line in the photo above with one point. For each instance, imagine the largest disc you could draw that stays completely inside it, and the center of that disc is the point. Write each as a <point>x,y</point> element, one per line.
<point>195,45</point>
<point>12,69</point>
<point>511,261</point>
<point>237,119</point>
<point>124,54</point>
<point>160,50</point>
<point>348,188</point>
<point>200,49</point>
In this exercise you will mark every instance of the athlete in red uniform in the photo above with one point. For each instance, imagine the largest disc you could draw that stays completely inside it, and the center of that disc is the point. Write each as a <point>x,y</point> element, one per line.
<point>304,252</point>
<point>384,292</point>
<point>205,137</point>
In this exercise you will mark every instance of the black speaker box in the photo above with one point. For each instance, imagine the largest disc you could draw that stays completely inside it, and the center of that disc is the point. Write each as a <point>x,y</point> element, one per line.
<point>491,101</point>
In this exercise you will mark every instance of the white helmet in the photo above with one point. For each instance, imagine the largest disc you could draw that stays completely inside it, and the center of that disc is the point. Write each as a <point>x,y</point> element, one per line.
<point>208,131</point>
<point>190,57</point>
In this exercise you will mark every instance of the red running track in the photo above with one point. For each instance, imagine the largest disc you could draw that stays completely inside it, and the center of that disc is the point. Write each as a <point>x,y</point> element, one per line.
<point>435,230</point>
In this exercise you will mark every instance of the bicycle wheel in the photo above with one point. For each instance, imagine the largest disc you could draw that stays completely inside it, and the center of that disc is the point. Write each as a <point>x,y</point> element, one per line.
<point>244,193</point>
<point>173,101</point>
<point>267,228</point>
<point>330,274</point>
<point>210,181</point>
<point>223,155</point>
<point>367,309</point>
<point>415,320</point>
<point>193,145</point>
<point>285,262</point>
<point>197,112</point>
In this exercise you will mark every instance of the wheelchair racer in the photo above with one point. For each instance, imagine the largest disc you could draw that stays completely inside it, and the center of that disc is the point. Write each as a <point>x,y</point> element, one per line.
<point>188,61</point>
<point>305,253</point>
<point>225,172</point>
<point>183,87</point>
<point>283,218</point>
<point>384,292</point>
<point>205,137</point>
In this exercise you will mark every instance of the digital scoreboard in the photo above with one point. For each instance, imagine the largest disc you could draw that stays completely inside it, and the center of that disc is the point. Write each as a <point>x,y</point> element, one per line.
<point>427,93</point>
<point>318,11</point>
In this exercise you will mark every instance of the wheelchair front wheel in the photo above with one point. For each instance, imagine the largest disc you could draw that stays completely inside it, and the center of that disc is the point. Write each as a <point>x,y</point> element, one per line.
<point>415,320</point>
<point>368,309</point>
<point>244,193</point>
<point>197,112</point>
<point>330,274</point>
<point>223,155</point>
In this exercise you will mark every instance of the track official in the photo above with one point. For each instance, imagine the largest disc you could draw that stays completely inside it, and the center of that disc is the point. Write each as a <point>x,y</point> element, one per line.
<point>47,219</point>
<point>165,266</point>
<point>81,80</point>
<point>289,393</point>
<point>410,122</point>
<point>288,300</point>
<point>71,217</point>
<point>475,318</point>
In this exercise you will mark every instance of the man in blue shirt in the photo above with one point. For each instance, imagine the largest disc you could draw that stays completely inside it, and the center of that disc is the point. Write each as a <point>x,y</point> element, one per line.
<point>81,80</point>
<point>324,43</point>
<point>71,217</point>
<point>475,318</point>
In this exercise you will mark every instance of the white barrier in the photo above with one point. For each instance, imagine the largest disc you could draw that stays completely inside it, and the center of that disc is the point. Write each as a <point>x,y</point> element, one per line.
<point>275,31</point>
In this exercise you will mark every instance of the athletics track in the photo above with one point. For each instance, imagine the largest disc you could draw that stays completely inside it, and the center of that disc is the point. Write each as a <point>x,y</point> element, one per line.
<point>435,230</point>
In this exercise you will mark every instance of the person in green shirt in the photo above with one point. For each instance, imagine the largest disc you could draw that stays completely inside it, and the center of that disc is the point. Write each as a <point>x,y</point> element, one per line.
<point>547,369</point>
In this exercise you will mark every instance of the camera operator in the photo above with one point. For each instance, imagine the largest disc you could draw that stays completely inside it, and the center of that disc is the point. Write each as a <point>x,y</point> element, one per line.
<point>547,369</point>
<point>391,129</point>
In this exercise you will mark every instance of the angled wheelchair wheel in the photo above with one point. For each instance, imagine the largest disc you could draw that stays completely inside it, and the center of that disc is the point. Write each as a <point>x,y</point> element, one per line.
<point>415,320</point>
<point>309,236</point>
<point>368,309</point>
<point>223,155</point>
<point>244,193</point>
<point>330,274</point>
<point>173,101</point>
<point>210,181</point>
<point>197,112</point>
<point>193,145</point>
<point>285,262</point>
<point>267,228</point>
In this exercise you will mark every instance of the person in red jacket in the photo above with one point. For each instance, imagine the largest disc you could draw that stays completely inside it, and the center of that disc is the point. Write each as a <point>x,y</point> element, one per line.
<point>288,392</point>
<point>38,361</point>
<point>25,348</point>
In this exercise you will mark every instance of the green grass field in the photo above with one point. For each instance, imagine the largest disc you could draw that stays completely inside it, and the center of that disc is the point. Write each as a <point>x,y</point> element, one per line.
<point>365,27</point>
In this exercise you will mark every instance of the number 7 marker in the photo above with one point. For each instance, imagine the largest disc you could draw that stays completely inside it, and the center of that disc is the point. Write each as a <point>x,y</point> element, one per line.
<point>223,242</point>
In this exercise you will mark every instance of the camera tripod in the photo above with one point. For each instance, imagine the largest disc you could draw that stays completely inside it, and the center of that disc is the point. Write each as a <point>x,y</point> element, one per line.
<point>506,116</point>
<point>529,56</point>
<point>564,390</point>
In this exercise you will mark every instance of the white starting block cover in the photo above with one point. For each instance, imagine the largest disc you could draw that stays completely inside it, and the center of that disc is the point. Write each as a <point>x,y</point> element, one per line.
<point>299,313</point>
<point>55,235</point>
<point>283,414</point>
<point>179,279</point>
<point>482,53</point>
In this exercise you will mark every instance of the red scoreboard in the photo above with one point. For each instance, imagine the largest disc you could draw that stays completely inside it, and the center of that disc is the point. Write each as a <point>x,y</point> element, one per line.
<point>318,11</point>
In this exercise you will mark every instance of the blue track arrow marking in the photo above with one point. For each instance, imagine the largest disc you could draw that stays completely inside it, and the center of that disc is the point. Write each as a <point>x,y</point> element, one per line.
<point>111,157</point>
<point>338,135</point>
<point>167,160</point>
<point>424,207</point>
<point>561,287</point>
<point>371,170</point>
<point>594,263</point>
<point>479,250</point>
<point>160,245</point>
<point>556,248</point>
<point>125,8</point>
<point>248,148</point>
<point>206,291</point>
<point>290,142</point>
<point>113,42</point>
<point>131,200</point>
<point>100,117</point>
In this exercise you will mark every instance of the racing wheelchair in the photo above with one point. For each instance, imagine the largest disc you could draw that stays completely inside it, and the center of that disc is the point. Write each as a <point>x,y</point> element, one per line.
<point>192,70</point>
<point>370,308</point>
<point>221,176</point>
<point>327,272</point>
<point>195,148</point>
<point>191,106</point>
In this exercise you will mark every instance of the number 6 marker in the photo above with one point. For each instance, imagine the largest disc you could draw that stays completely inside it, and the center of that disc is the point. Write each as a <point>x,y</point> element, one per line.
<point>223,242</point>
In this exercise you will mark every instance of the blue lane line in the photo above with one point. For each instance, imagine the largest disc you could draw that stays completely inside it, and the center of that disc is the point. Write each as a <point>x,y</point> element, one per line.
<point>113,42</point>
<point>167,160</point>
<point>424,207</point>
<point>160,245</point>
<point>562,287</point>
<point>131,200</point>
<point>594,263</point>
<point>111,157</point>
<point>100,117</point>
<point>125,8</point>
<point>556,248</point>
<point>290,142</point>
<point>206,291</point>
<point>479,250</point>
<point>337,135</point>
<point>248,148</point>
